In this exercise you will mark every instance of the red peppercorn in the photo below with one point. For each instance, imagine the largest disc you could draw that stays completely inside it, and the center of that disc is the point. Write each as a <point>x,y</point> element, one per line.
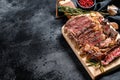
<point>86,3</point>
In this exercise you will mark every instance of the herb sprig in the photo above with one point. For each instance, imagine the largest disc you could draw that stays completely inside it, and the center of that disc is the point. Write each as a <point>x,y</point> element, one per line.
<point>68,11</point>
<point>71,11</point>
<point>96,64</point>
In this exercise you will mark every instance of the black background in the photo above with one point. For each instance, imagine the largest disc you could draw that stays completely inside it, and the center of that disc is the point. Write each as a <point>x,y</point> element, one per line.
<point>32,46</point>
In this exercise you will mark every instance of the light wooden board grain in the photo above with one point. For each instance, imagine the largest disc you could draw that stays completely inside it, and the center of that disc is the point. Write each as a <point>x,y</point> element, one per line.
<point>92,70</point>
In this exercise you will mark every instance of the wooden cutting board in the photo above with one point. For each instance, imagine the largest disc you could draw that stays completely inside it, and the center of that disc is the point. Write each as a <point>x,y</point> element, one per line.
<point>93,71</point>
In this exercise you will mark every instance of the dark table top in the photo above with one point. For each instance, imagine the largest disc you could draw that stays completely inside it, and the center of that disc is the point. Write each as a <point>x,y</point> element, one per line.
<point>32,46</point>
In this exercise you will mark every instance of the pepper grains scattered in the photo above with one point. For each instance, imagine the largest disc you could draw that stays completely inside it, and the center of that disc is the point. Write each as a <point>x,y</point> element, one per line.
<point>86,3</point>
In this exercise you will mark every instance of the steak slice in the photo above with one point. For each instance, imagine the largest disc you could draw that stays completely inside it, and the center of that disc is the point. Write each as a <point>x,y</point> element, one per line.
<point>111,56</point>
<point>113,33</point>
<point>105,43</point>
<point>106,29</point>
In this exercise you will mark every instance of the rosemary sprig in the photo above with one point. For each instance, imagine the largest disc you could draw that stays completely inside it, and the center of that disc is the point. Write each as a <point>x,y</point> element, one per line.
<point>71,11</point>
<point>68,11</point>
<point>96,64</point>
<point>93,63</point>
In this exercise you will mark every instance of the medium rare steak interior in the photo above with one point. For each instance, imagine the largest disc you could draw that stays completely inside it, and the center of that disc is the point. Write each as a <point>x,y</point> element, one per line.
<point>93,37</point>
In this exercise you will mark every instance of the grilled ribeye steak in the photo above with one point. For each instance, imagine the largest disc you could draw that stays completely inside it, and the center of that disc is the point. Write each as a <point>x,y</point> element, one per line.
<point>93,36</point>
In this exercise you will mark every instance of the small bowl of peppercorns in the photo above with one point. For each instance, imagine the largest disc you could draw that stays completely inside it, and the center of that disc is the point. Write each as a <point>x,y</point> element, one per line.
<point>86,4</point>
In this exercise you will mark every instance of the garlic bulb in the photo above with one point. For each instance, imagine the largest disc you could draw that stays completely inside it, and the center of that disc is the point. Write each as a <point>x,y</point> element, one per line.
<point>112,10</point>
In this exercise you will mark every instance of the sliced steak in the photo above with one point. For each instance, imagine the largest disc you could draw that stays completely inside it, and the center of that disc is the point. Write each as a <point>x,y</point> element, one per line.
<point>105,43</point>
<point>96,39</point>
<point>78,26</point>
<point>111,56</point>
<point>106,29</point>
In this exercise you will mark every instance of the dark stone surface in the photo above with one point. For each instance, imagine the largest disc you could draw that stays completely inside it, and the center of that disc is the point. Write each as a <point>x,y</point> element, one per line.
<point>32,47</point>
